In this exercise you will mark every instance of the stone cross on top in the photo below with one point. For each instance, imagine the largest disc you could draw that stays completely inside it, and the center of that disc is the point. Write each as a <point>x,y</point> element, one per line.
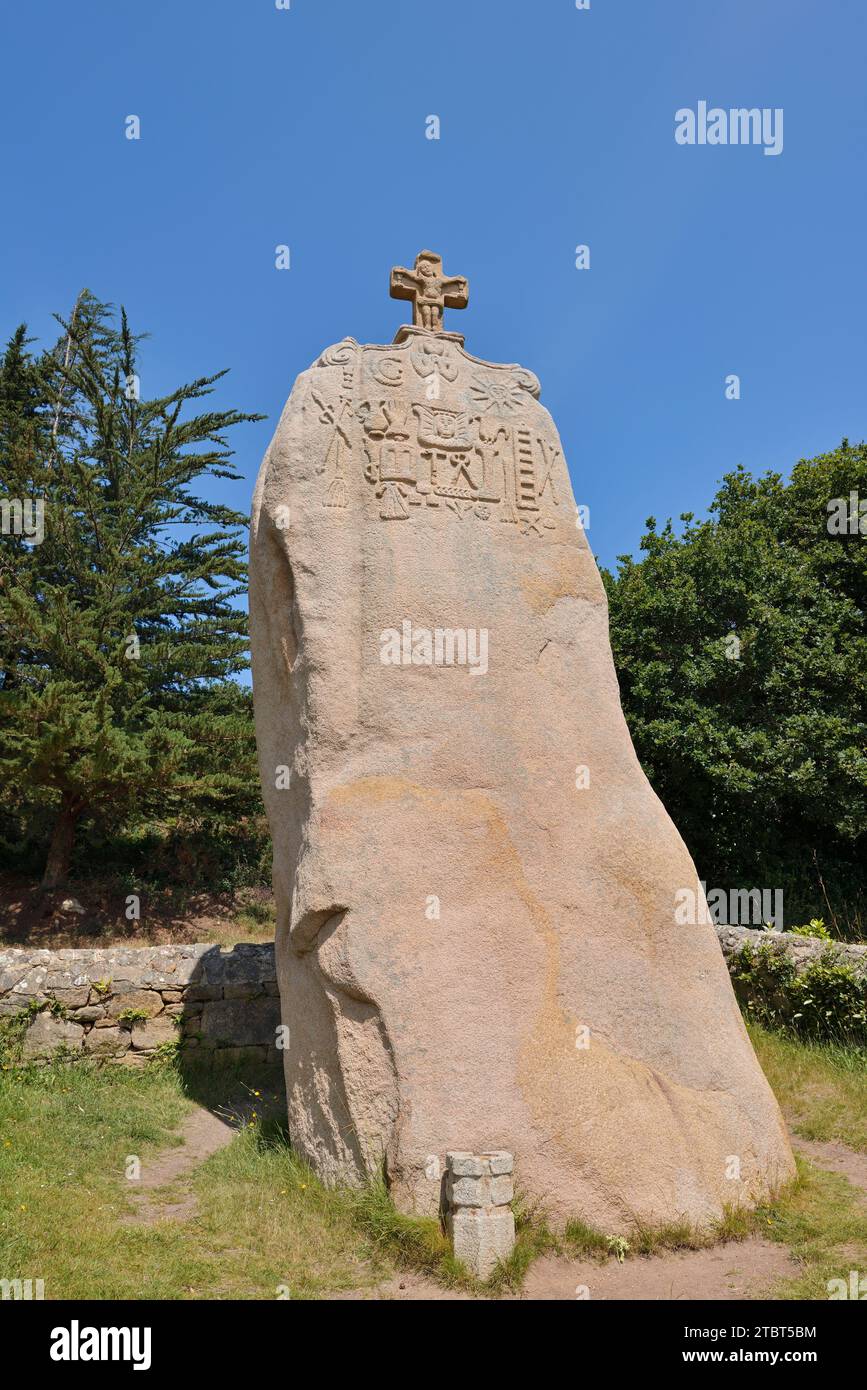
<point>430,290</point>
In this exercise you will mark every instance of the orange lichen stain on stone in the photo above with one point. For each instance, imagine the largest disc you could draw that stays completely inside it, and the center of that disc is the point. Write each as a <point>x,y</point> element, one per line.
<point>552,1033</point>
<point>555,1076</point>
<point>466,803</point>
<point>574,577</point>
<point>378,791</point>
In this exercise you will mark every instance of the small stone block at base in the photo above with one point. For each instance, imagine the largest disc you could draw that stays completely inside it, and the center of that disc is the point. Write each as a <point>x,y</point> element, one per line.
<point>479,1221</point>
<point>481,1239</point>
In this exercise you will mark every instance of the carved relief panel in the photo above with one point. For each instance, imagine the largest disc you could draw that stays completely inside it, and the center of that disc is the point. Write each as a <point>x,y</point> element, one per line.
<point>430,433</point>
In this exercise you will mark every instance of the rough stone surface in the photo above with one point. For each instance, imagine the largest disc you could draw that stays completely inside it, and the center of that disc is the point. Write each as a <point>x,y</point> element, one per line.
<point>147,1036</point>
<point>97,990</point>
<point>501,1190</point>
<point>457,902</point>
<point>468,1192</point>
<point>145,1001</point>
<point>71,998</point>
<point>481,1239</point>
<point>90,1014</point>
<point>479,1180</point>
<point>478,1220</point>
<point>241,1021</point>
<point>462,1165</point>
<point>46,1034</point>
<point>107,1042</point>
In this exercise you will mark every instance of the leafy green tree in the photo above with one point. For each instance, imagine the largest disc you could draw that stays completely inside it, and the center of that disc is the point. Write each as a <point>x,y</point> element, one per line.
<point>120,629</point>
<point>741,648</point>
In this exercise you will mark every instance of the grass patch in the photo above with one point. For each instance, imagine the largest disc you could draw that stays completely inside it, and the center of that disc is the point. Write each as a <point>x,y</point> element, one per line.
<point>585,1242</point>
<point>823,1221</point>
<point>420,1244</point>
<point>533,1237</point>
<point>412,1241</point>
<point>257,921</point>
<point>262,1223</point>
<point>65,1135</point>
<point>254,922</point>
<point>263,1226</point>
<point>270,1229</point>
<point>12,1030</point>
<point>821,1087</point>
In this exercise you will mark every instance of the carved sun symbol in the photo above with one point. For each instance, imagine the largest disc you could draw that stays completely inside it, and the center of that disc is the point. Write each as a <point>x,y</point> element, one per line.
<point>497,397</point>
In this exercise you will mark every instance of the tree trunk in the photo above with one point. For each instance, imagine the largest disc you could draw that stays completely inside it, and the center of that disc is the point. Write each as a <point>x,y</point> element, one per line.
<point>62,842</point>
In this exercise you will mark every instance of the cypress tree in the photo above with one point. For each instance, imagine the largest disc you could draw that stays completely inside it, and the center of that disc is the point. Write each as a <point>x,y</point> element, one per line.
<point>120,630</point>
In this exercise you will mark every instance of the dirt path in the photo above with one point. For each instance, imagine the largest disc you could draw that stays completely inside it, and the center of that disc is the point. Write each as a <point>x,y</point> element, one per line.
<point>742,1269</point>
<point>202,1134</point>
<point>835,1156</point>
<point>406,1287</point>
<point>739,1269</point>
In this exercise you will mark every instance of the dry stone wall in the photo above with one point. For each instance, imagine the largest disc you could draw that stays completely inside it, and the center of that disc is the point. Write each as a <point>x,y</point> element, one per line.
<point>801,950</point>
<point>125,1004</point>
<point>122,1004</point>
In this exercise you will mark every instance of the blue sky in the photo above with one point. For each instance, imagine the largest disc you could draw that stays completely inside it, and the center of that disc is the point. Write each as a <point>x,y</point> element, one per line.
<point>306,127</point>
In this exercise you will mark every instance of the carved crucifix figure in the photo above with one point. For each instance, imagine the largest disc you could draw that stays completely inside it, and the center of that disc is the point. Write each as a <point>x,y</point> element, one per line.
<point>430,290</point>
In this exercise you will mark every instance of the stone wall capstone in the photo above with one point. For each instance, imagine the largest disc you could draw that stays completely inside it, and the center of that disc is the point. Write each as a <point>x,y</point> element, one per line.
<point>122,1004</point>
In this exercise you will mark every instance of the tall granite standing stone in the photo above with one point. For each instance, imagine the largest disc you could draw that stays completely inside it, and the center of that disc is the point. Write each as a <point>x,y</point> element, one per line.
<point>477,947</point>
